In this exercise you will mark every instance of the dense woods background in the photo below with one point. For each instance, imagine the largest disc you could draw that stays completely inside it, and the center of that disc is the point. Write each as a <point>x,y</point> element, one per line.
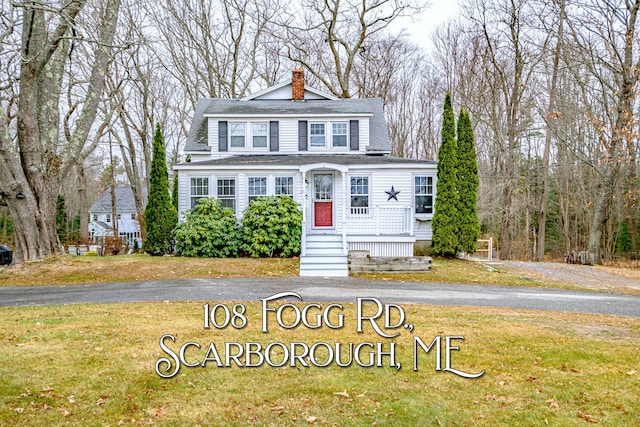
<point>550,86</point>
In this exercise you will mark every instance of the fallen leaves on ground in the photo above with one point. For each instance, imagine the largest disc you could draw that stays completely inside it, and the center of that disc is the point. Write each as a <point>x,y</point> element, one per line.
<point>342,393</point>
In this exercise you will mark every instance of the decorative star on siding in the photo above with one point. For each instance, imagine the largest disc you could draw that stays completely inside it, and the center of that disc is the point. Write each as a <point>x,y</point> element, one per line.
<point>393,194</point>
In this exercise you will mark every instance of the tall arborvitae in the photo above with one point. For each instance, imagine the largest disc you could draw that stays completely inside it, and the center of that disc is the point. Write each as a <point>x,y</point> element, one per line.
<point>174,190</point>
<point>445,218</point>
<point>160,214</point>
<point>469,225</point>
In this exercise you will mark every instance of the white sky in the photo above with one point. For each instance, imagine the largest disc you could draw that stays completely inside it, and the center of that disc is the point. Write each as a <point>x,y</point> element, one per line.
<point>422,26</point>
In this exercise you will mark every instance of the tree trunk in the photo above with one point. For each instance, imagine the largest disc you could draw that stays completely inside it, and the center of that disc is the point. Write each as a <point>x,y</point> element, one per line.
<point>622,131</point>
<point>32,178</point>
<point>551,114</point>
<point>600,214</point>
<point>84,205</point>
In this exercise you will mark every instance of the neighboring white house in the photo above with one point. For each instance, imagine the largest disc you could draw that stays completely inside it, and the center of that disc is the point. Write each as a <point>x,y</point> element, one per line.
<point>331,155</point>
<point>101,217</point>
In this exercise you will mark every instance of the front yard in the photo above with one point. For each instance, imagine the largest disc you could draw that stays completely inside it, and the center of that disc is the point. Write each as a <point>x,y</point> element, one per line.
<point>91,364</point>
<point>95,365</point>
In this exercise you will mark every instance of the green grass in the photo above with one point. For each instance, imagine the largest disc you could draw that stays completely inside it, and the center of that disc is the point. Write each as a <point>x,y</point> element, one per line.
<point>94,365</point>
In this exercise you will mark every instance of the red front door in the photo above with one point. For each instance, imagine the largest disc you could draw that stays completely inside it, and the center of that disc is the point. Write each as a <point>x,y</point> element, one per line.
<point>323,200</point>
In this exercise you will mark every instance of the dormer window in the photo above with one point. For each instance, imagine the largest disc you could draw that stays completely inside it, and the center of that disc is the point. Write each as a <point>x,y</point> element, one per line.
<point>237,133</point>
<point>317,135</point>
<point>339,135</point>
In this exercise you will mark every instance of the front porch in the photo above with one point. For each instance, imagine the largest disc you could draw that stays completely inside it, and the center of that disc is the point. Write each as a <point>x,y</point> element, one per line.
<point>335,222</point>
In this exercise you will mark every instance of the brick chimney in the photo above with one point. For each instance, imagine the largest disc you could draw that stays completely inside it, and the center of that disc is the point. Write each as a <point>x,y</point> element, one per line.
<point>297,85</point>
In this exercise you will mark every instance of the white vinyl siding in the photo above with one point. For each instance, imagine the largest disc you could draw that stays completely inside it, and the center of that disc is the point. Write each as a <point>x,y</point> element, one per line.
<point>288,136</point>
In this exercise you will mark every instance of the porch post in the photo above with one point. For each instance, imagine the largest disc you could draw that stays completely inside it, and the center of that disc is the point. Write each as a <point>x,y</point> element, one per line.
<point>303,234</point>
<point>344,213</point>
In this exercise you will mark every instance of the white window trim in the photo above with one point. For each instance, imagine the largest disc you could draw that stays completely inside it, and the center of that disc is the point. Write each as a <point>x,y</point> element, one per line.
<point>266,147</point>
<point>433,195</point>
<point>246,131</point>
<point>248,136</point>
<point>346,146</point>
<point>360,211</point>
<point>266,187</point>
<point>191,196</point>
<point>293,184</point>
<point>326,126</point>
<point>236,191</point>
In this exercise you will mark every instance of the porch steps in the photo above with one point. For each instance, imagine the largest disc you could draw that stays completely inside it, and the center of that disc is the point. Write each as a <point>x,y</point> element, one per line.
<point>324,257</point>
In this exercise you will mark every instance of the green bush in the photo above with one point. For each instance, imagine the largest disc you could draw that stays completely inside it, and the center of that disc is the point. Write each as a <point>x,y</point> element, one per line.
<point>271,227</point>
<point>208,231</point>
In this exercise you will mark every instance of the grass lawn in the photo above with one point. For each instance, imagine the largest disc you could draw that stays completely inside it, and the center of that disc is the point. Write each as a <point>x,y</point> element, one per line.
<point>95,365</point>
<point>67,270</point>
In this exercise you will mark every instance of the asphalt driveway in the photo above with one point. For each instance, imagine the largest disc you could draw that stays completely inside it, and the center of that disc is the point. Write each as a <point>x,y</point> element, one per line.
<point>325,290</point>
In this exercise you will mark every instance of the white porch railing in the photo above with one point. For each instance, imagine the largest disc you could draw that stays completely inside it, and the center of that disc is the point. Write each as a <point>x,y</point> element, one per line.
<point>380,220</point>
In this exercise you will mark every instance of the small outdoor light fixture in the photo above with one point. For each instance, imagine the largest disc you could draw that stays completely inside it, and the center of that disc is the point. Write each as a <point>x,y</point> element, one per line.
<point>20,196</point>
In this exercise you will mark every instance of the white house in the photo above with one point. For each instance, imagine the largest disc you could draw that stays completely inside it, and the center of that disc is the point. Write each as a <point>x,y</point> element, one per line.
<point>331,155</point>
<point>101,217</point>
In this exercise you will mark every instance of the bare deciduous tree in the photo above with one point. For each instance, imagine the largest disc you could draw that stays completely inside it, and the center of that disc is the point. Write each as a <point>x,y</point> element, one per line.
<point>327,37</point>
<point>604,37</point>
<point>32,158</point>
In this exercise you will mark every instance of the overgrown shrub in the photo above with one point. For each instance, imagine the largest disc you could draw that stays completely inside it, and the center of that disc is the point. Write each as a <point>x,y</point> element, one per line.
<point>208,231</point>
<point>271,227</point>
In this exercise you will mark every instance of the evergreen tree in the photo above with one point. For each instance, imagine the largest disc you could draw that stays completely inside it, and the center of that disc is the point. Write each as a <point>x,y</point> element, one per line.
<point>469,226</point>
<point>160,214</point>
<point>174,191</point>
<point>623,239</point>
<point>61,219</point>
<point>445,218</point>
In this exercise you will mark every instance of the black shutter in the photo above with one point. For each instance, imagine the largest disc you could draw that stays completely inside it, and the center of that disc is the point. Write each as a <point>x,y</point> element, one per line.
<point>222,136</point>
<point>274,144</point>
<point>354,135</point>
<point>302,135</point>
